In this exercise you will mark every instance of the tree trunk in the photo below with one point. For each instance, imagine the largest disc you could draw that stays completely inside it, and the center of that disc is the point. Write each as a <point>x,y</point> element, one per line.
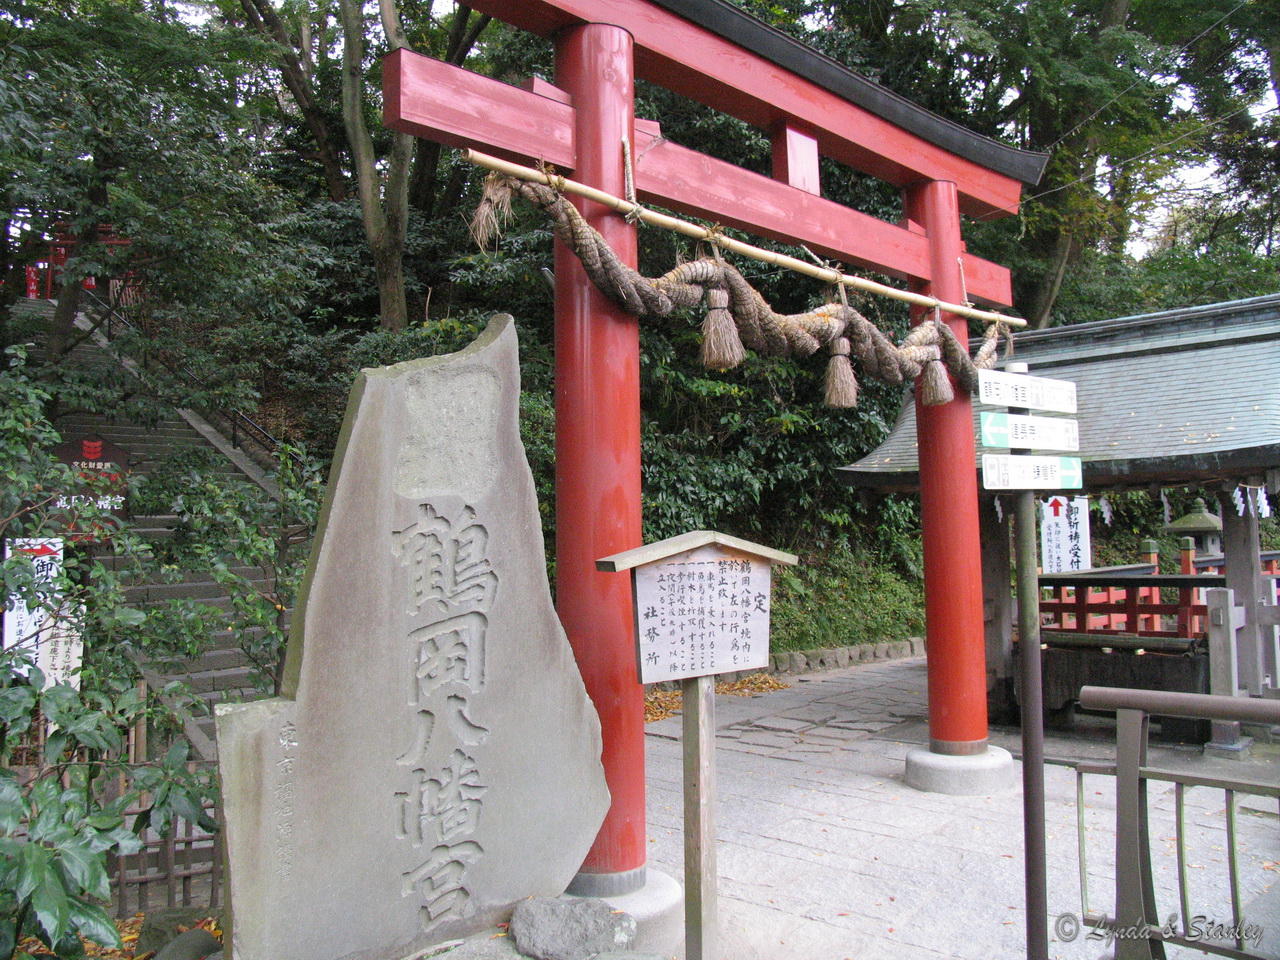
<point>297,78</point>
<point>384,201</point>
<point>63,323</point>
<point>1046,292</point>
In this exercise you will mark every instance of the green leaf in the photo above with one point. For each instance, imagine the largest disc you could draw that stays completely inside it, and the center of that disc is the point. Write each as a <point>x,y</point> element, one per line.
<point>93,923</point>
<point>104,821</point>
<point>177,754</point>
<point>40,883</point>
<point>16,702</point>
<point>86,869</point>
<point>13,807</point>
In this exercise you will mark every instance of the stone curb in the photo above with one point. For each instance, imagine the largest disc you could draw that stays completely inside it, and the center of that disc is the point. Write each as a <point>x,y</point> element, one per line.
<point>793,662</point>
<point>832,658</point>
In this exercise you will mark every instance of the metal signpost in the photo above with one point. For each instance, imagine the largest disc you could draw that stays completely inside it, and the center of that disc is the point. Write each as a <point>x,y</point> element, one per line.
<point>701,608</point>
<point>1025,473</point>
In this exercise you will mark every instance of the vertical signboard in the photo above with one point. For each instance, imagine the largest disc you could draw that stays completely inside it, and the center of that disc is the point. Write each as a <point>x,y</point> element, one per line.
<point>56,646</point>
<point>1064,535</point>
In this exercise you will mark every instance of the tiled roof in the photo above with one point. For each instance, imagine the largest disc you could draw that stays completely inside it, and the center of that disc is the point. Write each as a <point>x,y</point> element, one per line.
<point>1182,396</point>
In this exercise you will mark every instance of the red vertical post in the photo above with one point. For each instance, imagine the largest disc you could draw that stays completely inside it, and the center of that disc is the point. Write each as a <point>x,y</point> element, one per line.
<point>795,158</point>
<point>598,452</point>
<point>949,510</point>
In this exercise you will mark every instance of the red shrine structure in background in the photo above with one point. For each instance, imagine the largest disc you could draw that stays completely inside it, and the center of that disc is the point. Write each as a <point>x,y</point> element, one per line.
<point>811,106</point>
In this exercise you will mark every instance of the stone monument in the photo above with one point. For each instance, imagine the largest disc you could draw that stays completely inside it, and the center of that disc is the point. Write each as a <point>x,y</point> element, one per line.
<point>433,758</point>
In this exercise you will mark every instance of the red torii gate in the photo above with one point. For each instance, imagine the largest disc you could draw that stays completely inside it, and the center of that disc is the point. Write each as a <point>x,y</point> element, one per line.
<point>714,53</point>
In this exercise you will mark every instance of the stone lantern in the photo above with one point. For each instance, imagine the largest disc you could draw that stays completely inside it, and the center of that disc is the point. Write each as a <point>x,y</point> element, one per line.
<point>1202,526</point>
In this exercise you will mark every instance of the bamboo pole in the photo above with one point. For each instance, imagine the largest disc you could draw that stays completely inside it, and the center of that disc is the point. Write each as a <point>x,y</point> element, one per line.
<point>654,218</point>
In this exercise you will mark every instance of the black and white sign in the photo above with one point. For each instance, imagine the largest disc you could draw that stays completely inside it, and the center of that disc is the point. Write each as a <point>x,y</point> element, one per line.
<point>702,612</point>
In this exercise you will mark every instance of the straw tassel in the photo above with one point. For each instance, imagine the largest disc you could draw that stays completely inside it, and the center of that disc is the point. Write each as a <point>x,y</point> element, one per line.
<point>494,210</point>
<point>841,385</point>
<point>935,385</point>
<point>721,346</point>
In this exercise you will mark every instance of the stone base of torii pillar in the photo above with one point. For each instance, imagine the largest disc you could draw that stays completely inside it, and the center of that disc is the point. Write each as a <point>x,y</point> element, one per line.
<point>658,908</point>
<point>971,775</point>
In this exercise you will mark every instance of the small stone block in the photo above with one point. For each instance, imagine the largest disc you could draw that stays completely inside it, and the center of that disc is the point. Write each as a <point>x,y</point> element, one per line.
<point>195,944</point>
<point>569,928</point>
<point>881,651</point>
<point>842,656</point>
<point>161,926</point>
<point>974,775</point>
<point>799,662</point>
<point>866,652</point>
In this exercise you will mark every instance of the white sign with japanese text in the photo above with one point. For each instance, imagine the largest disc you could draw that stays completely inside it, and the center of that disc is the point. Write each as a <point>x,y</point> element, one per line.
<point>1064,535</point>
<point>1004,471</point>
<point>22,624</point>
<point>57,646</point>
<point>702,612</point>
<point>1020,432</point>
<point>1002,389</point>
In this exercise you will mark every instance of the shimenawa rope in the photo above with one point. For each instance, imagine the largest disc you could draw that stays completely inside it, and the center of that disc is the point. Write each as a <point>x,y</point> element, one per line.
<point>738,317</point>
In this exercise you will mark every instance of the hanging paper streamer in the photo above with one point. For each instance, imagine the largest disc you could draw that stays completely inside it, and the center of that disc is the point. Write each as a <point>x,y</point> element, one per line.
<point>999,510</point>
<point>1104,507</point>
<point>1168,514</point>
<point>1264,505</point>
<point>1237,496</point>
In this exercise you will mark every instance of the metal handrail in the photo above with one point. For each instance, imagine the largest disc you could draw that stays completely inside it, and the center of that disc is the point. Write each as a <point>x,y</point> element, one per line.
<point>1164,703</point>
<point>1136,908</point>
<point>238,419</point>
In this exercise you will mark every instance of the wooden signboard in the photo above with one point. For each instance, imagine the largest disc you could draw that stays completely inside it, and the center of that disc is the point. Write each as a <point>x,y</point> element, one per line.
<point>701,608</point>
<point>107,466</point>
<point>702,612</point>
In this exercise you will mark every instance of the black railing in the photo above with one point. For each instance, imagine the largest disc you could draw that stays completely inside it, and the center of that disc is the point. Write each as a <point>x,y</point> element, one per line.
<point>239,422</point>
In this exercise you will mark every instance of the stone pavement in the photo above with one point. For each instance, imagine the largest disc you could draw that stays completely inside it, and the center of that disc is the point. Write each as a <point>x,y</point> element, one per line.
<point>825,853</point>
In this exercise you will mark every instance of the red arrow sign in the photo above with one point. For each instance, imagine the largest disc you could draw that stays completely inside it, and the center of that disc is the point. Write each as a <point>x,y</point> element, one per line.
<point>1057,505</point>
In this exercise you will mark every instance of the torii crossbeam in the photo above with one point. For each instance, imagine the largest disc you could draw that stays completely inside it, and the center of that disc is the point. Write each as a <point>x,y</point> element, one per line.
<point>712,52</point>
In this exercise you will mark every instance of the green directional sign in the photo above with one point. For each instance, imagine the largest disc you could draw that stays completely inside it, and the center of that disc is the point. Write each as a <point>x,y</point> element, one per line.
<point>1018,431</point>
<point>1071,473</point>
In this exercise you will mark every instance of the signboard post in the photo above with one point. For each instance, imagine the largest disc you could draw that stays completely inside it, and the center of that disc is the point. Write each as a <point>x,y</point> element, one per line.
<point>701,608</point>
<point>1016,429</point>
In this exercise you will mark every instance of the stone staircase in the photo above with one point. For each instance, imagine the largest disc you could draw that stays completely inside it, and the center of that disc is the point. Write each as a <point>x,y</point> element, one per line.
<point>222,671</point>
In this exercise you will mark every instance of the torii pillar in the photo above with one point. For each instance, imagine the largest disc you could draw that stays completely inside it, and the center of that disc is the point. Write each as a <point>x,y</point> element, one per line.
<point>597,364</point>
<point>959,759</point>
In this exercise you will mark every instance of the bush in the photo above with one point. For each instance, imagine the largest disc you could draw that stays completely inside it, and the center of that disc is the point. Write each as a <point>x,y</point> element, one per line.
<point>844,597</point>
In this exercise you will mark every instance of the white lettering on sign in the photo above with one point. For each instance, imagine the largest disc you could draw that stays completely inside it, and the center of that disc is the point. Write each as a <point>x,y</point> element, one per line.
<point>1002,471</point>
<point>1020,390</point>
<point>702,612</point>
<point>1064,535</point>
